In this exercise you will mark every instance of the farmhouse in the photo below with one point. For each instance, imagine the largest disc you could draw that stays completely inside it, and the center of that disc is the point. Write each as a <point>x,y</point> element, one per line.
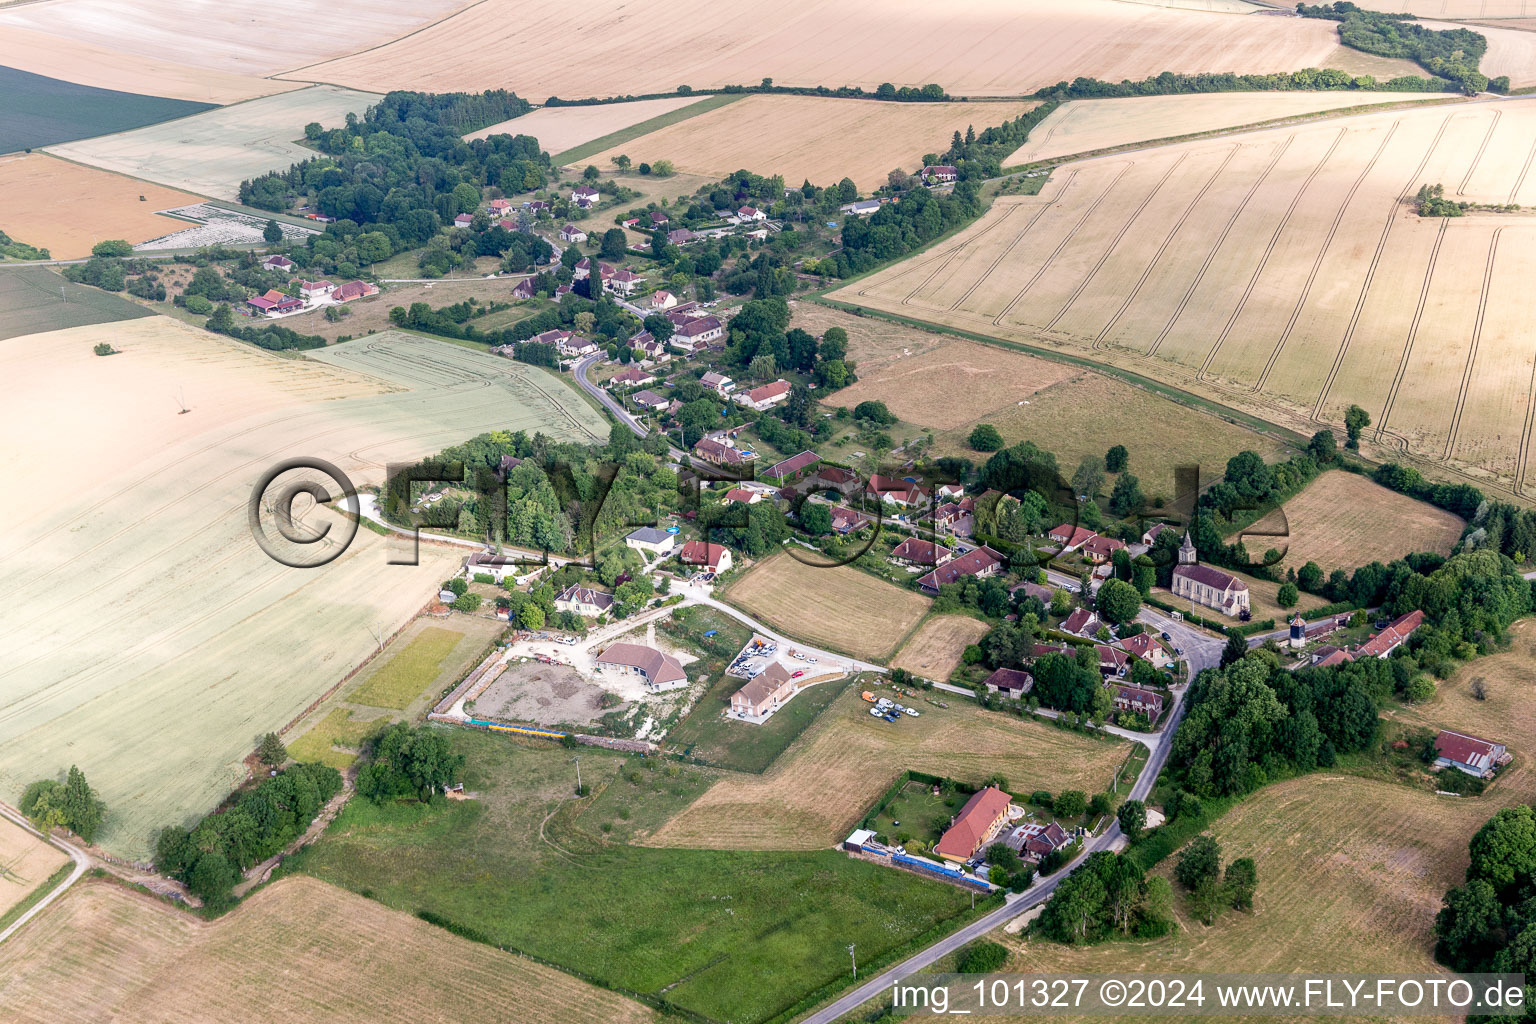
<point>354,290</point>
<point>978,821</point>
<point>718,383</point>
<point>663,300</point>
<point>315,291</point>
<point>939,173</point>
<point>274,303</point>
<point>862,208</point>
<point>792,469</point>
<point>1134,698</point>
<point>981,562</point>
<point>572,233</point>
<point>463,220</point>
<point>282,263</point>
<point>714,557</point>
<point>660,671</point>
<point>1389,639</point>
<point>765,694</point>
<point>488,563</point>
<point>765,397</point>
<point>631,376</point>
<point>586,192</point>
<point>584,601</point>
<point>1082,623</point>
<point>1071,537</point>
<point>1476,757</point>
<point>915,551</point>
<point>698,331</point>
<point>652,540</point>
<point>1099,550</point>
<point>1329,655</point>
<point>523,289</point>
<point>747,213</point>
<point>1010,682</point>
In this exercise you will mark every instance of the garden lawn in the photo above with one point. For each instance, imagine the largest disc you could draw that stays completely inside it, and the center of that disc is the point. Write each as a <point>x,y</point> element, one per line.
<point>709,736</point>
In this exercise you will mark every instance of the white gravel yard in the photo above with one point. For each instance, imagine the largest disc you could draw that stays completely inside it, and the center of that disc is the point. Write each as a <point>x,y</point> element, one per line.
<point>216,226</point>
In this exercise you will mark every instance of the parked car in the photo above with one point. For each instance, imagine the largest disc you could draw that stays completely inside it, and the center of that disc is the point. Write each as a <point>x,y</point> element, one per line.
<point>1166,636</point>
<point>876,712</point>
<point>913,712</point>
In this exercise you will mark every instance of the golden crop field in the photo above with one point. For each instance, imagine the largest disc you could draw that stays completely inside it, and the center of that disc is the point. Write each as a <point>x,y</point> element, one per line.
<point>66,208</point>
<point>935,649</point>
<point>1459,10</point>
<point>212,152</point>
<point>812,137</point>
<point>1282,273</point>
<point>841,608</point>
<point>561,128</point>
<point>823,784</point>
<point>209,643</point>
<point>26,862</point>
<point>990,48</point>
<point>1511,51</point>
<point>1085,126</point>
<point>1342,520</point>
<point>299,950</point>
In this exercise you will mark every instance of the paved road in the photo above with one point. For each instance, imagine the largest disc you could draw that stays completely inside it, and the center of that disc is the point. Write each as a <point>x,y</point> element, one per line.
<point>1199,655</point>
<point>82,862</point>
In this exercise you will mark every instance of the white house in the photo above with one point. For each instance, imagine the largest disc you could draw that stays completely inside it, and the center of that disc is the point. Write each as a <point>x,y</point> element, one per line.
<point>584,601</point>
<point>747,213</point>
<point>463,220</point>
<point>765,397</point>
<point>582,270</point>
<point>718,382</point>
<point>862,208</point>
<point>663,300</point>
<point>652,542</point>
<point>660,671</point>
<point>572,233</point>
<point>699,331</point>
<point>282,263</point>
<point>575,346</point>
<point>584,192</point>
<point>622,282</point>
<point>315,291</point>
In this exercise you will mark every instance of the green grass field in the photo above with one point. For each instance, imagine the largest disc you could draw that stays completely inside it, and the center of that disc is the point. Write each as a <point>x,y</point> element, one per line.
<point>338,728</point>
<point>742,746</point>
<point>915,813</point>
<point>401,679</point>
<point>734,935</point>
<point>40,111</point>
<point>35,299</point>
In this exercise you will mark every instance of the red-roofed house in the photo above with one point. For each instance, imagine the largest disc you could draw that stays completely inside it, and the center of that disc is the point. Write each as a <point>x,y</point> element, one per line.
<point>1101,549</point>
<point>572,233</point>
<point>698,331</point>
<point>1389,639</point>
<point>1082,622</point>
<point>499,207</point>
<point>1134,698</point>
<point>658,218</point>
<point>524,289</point>
<point>978,821</point>
<point>895,491</point>
<point>792,469</point>
<point>1145,647</point>
<point>630,377</point>
<point>463,220</point>
<point>660,671</point>
<point>354,290</point>
<point>282,263</point>
<point>916,551</point>
<point>744,496</point>
<point>750,213</point>
<point>663,300</point>
<point>940,172</point>
<point>1071,537</point>
<point>275,303</point>
<point>721,454</point>
<point>846,520</point>
<point>586,192</point>
<point>1049,839</point>
<point>981,562</point>
<point>315,291</point>
<point>1112,660</point>
<point>714,557</point>
<point>1468,754</point>
<point>765,397</point>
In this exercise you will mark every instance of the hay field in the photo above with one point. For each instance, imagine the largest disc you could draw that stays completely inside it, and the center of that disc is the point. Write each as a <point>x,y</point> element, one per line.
<point>209,642</point>
<point>935,649</point>
<point>67,208</point>
<point>1342,520</point>
<point>561,128</point>
<point>26,862</point>
<point>990,48</point>
<point>1281,273</point>
<point>839,608</point>
<point>812,137</point>
<point>1084,126</point>
<point>212,152</point>
<point>301,950</point>
<point>822,785</point>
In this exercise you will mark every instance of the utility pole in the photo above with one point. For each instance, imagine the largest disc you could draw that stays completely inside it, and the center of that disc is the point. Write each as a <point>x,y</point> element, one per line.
<point>577,759</point>
<point>855,960</point>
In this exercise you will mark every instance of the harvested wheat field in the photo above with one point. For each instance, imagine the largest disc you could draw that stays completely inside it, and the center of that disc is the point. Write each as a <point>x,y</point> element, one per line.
<point>986,48</point>
<point>561,128</point>
<point>840,608</point>
<point>212,152</point>
<point>934,650</point>
<point>813,138</point>
<point>1085,126</point>
<point>1281,273</point>
<point>210,642</point>
<point>1459,10</point>
<point>824,783</point>
<point>66,208</point>
<point>26,862</point>
<point>299,951</point>
<point>1342,520</point>
<point>1351,874</point>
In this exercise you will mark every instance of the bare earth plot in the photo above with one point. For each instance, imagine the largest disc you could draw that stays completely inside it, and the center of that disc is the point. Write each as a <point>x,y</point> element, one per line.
<point>209,642</point>
<point>1342,520</point>
<point>985,48</point>
<point>812,138</point>
<point>212,152</point>
<point>935,649</point>
<point>561,128</point>
<point>26,862</point>
<point>67,208</point>
<point>1280,272</point>
<point>301,950</point>
<point>824,783</point>
<point>1084,126</point>
<point>841,608</point>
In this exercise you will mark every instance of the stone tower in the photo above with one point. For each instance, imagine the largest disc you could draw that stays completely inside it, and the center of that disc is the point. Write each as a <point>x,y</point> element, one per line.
<point>1187,553</point>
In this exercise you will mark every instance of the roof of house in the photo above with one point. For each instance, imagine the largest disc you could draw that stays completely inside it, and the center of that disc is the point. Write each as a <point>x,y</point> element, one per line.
<point>698,552</point>
<point>836,475</point>
<point>1140,645</point>
<point>278,261</point>
<point>1081,619</point>
<point>1156,530</point>
<point>354,290</point>
<point>571,229</point>
<point>968,564</point>
<point>906,490</point>
<point>657,217</point>
<point>792,465</point>
<point>679,235</point>
<point>1103,546</point>
<point>939,169</point>
<point>1111,656</point>
<point>764,684</point>
<point>1400,629</point>
<point>1052,837</point>
<point>1211,577</point>
<point>658,666</point>
<point>740,494</point>
<point>1467,750</point>
<point>1038,591</point>
<point>1010,679</point>
<point>650,535</point>
<point>924,552</point>
<point>586,595</point>
<point>713,379</point>
<point>767,391</point>
<point>649,398</point>
<point>972,823</point>
<point>1331,655</point>
<point>1071,535</point>
<point>747,211</point>
<point>463,218</point>
<point>698,325</point>
<point>632,375</point>
<point>584,190</point>
<point>553,337</point>
<point>709,448</point>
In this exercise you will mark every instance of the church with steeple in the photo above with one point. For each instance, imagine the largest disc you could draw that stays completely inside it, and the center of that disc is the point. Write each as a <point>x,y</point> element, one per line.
<point>1207,585</point>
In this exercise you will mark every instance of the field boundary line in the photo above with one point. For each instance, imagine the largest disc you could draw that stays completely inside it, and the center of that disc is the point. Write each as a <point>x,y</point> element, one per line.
<point>1317,264</point>
<point>278,75</point>
<point>703,105</point>
<point>1221,240</point>
<point>1370,273</point>
<point>1477,157</point>
<point>1477,334</point>
<point>1114,243</point>
<point>1162,249</point>
<point>1202,374</point>
<point>998,320</point>
<point>1413,332</point>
